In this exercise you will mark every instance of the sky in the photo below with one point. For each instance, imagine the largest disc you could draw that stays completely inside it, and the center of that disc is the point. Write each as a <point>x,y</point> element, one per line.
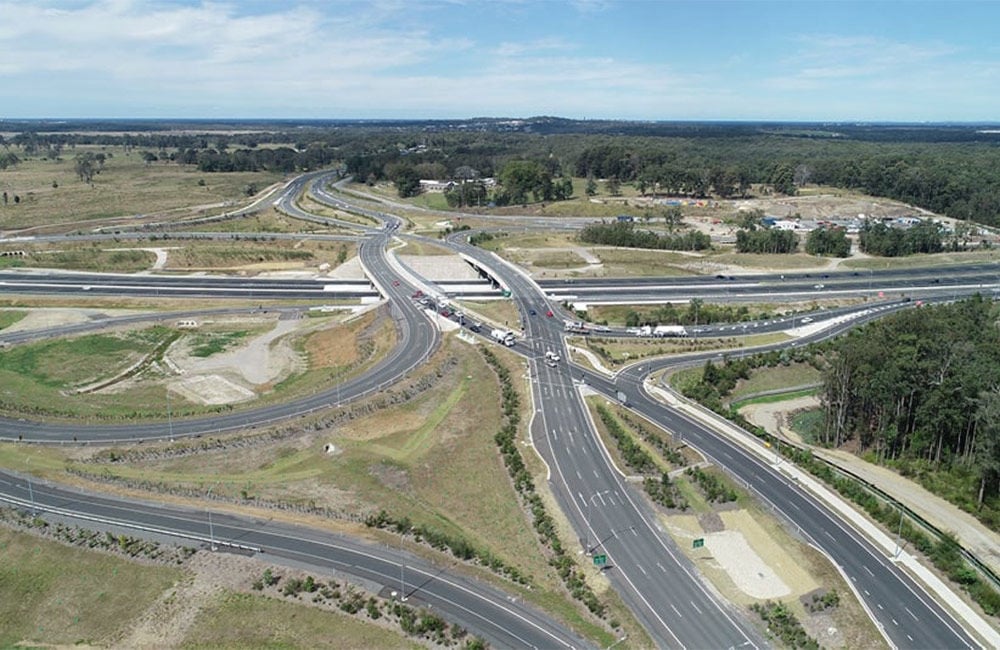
<point>837,61</point>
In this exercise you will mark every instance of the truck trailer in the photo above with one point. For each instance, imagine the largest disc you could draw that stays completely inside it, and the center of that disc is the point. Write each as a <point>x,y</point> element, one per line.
<point>669,330</point>
<point>504,337</point>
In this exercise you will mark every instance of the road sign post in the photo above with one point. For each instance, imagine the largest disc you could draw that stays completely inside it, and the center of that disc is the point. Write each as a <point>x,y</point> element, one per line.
<point>698,543</point>
<point>600,560</point>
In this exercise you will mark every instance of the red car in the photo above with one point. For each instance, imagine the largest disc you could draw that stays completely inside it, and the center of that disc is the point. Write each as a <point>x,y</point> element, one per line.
<point>395,283</point>
<point>549,313</point>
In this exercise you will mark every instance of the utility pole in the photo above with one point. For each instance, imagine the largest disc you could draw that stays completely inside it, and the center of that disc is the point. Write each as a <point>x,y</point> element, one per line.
<point>31,494</point>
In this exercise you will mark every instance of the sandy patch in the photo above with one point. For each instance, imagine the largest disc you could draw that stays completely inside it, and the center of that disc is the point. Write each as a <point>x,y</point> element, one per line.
<point>349,270</point>
<point>753,577</point>
<point>211,389</point>
<point>763,545</point>
<point>439,267</point>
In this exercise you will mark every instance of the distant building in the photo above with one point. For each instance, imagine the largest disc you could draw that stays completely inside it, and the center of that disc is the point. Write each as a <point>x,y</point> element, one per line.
<point>436,186</point>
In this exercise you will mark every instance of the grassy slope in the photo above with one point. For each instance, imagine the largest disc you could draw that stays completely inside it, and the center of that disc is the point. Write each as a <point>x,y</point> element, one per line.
<point>250,621</point>
<point>51,593</point>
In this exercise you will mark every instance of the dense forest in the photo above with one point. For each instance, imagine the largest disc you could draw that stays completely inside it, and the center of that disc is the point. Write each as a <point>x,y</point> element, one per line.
<point>949,169</point>
<point>922,385</point>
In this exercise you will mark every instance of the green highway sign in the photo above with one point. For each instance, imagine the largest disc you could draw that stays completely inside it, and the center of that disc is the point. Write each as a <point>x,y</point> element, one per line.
<point>600,560</point>
<point>698,543</point>
<point>506,293</point>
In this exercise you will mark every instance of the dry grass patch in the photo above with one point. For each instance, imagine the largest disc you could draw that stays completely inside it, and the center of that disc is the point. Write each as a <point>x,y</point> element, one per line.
<point>51,193</point>
<point>238,620</point>
<point>337,346</point>
<point>55,594</point>
<point>634,262</point>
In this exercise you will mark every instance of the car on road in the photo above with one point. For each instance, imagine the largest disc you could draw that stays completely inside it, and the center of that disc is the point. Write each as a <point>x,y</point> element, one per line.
<point>807,319</point>
<point>395,283</point>
<point>549,313</point>
<point>532,312</point>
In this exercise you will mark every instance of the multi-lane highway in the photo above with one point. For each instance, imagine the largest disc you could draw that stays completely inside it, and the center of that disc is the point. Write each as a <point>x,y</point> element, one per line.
<point>608,509</point>
<point>658,584</point>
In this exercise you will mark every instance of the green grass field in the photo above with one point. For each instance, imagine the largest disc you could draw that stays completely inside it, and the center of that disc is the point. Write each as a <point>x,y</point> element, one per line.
<point>10,316</point>
<point>82,257</point>
<point>240,621</point>
<point>66,363</point>
<point>777,378</point>
<point>54,594</point>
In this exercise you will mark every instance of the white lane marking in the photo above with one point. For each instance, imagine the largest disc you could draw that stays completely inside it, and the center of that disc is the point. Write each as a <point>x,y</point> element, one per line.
<point>865,567</point>
<point>911,613</point>
<point>641,569</point>
<point>695,607</point>
<point>676,611</point>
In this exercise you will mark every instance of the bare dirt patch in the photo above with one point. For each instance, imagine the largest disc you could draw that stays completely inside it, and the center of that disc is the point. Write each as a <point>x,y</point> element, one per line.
<point>330,348</point>
<point>166,622</point>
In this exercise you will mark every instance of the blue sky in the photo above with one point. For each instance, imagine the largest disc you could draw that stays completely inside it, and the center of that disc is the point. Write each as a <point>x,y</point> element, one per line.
<point>619,59</point>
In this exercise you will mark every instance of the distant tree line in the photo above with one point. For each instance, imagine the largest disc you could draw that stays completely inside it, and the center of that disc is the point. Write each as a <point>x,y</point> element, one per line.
<point>951,171</point>
<point>624,233</point>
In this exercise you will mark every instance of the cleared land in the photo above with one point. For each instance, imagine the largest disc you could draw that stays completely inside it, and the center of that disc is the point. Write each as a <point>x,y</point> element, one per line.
<point>53,195</point>
<point>242,256</point>
<point>126,374</point>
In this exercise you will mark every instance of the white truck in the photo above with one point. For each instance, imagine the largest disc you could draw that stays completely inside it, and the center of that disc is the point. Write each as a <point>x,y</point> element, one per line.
<point>505,337</point>
<point>669,330</point>
<point>551,358</point>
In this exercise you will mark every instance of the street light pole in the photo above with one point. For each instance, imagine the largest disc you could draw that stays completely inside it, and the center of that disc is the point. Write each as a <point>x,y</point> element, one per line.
<point>211,529</point>
<point>170,418</point>
<point>612,534</point>
<point>31,493</point>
